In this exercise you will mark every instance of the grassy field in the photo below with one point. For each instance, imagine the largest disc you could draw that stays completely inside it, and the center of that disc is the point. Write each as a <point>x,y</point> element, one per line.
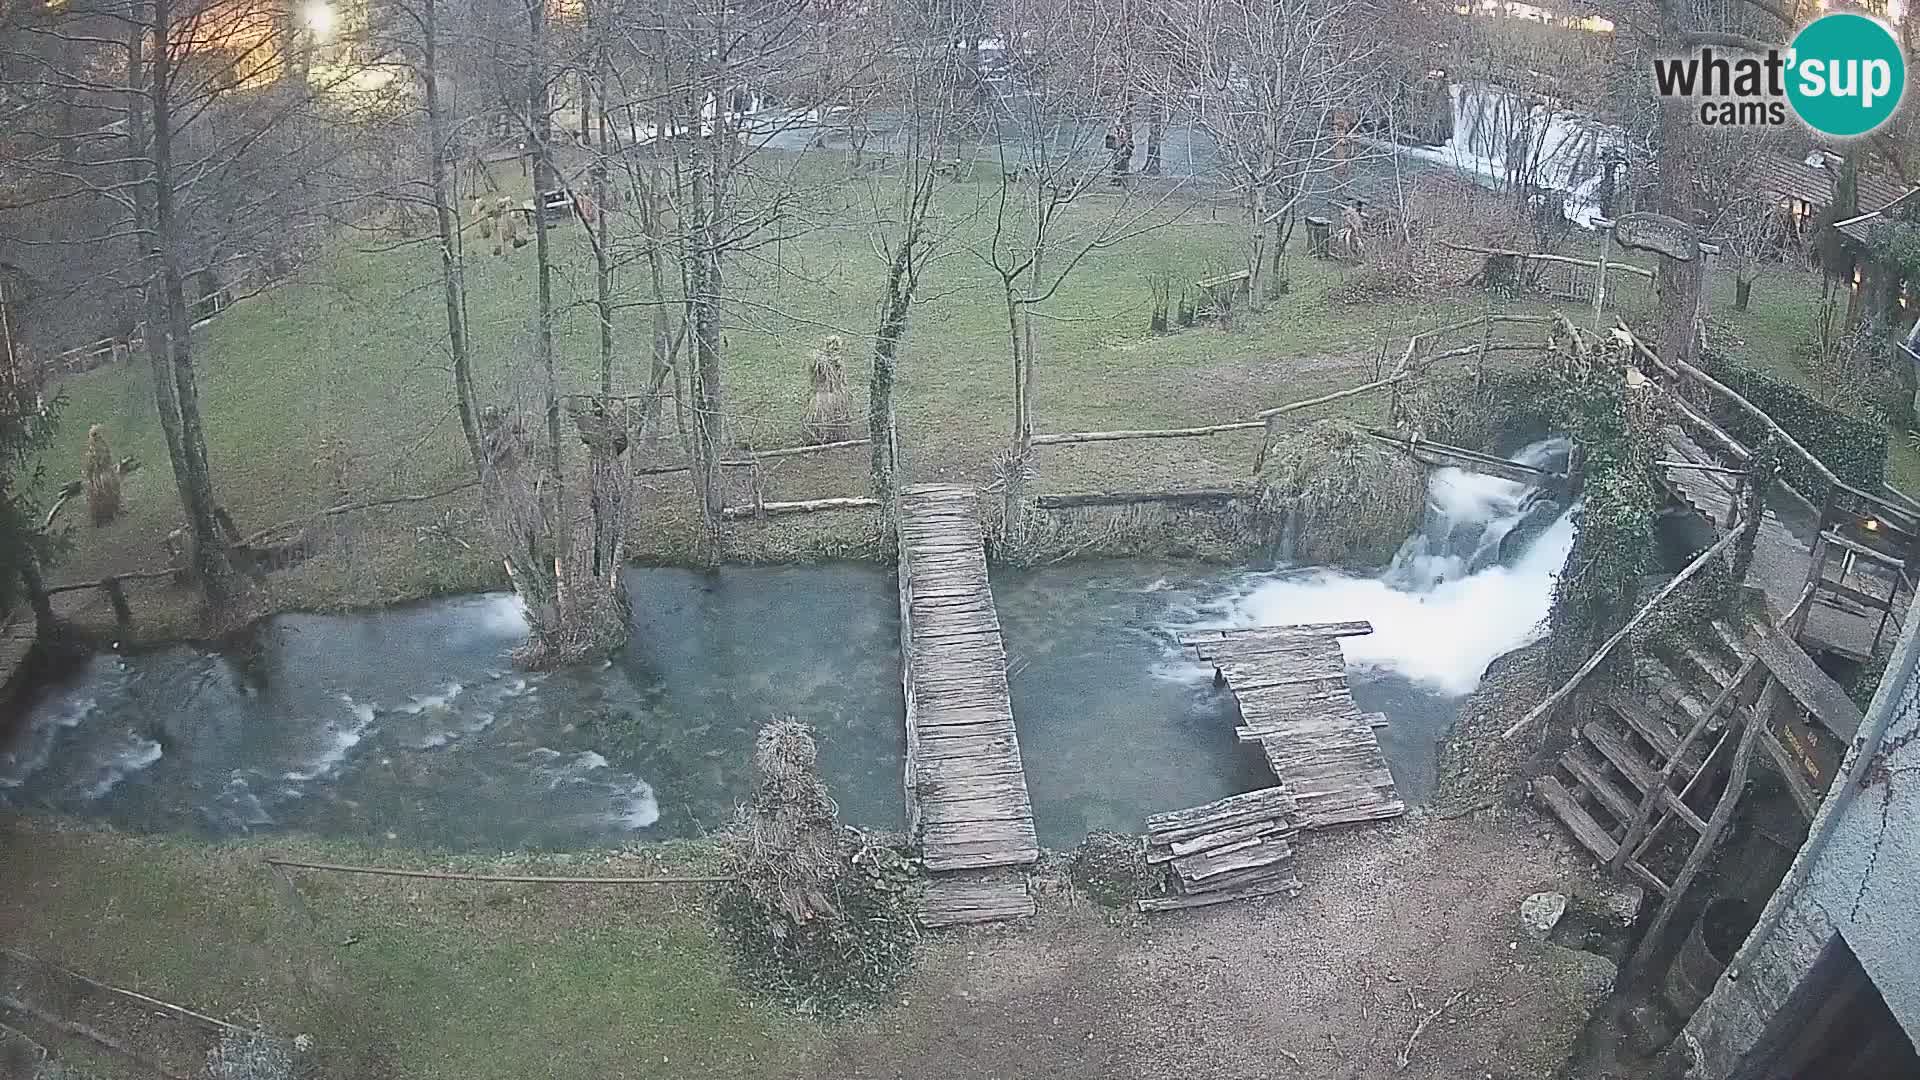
<point>338,381</point>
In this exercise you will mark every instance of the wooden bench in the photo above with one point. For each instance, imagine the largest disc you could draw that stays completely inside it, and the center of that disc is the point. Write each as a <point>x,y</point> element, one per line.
<point>1220,292</point>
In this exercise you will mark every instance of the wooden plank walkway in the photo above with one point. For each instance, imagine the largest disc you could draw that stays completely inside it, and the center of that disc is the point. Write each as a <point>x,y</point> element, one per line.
<point>1291,684</point>
<point>966,789</point>
<point>1783,557</point>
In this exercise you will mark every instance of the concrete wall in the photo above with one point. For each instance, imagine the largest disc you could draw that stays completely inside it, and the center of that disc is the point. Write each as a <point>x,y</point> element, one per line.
<point>1858,875</point>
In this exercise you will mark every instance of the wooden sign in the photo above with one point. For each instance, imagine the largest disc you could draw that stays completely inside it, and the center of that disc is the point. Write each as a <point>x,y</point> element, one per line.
<point>1656,232</point>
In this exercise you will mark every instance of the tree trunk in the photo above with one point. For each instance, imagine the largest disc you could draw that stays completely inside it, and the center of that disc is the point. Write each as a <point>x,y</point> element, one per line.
<point>1256,245</point>
<point>1156,134</point>
<point>175,391</point>
<point>1677,283</point>
<point>704,300</point>
<point>452,258</point>
<point>1742,291</point>
<point>540,124</point>
<point>886,347</point>
<point>602,221</point>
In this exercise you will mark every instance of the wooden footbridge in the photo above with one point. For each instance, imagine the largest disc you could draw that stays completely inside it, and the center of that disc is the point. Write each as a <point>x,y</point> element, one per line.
<point>966,788</point>
<point>1290,683</point>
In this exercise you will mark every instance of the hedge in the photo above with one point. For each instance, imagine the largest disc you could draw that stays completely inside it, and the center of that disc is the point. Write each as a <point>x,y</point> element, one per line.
<point>1855,449</point>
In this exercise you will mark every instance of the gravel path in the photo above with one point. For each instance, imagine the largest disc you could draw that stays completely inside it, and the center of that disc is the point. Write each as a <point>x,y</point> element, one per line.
<point>1392,923</point>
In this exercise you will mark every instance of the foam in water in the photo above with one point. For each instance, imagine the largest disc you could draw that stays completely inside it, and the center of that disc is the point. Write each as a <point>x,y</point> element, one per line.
<point>36,746</point>
<point>132,756</point>
<point>634,804</point>
<point>345,738</point>
<point>420,703</point>
<point>1446,607</point>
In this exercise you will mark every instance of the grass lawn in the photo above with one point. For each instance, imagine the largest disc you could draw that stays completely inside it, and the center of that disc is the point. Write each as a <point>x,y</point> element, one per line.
<point>342,375</point>
<point>398,979</point>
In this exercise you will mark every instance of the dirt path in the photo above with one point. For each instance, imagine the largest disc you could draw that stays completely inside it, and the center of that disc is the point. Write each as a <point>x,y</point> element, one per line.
<point>1325,985</point>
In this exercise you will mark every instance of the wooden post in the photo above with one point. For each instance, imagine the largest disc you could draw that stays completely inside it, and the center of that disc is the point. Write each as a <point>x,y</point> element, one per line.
<point>36,590</point>
<point>1600,279</point>
<point>117,595</point>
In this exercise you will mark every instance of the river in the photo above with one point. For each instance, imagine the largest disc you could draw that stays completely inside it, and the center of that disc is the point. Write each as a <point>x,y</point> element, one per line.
<point>409,726</point>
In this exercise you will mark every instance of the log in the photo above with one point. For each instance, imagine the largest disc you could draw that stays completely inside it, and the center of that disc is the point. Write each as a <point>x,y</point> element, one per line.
<point>1071,501</point>
<point>757,456</point>
<point>1064,438</point>
<point>130,995</point>
<point>1263,805</point>
<point>509,879</point>
<point>1640,616</point>
<point>92,1035</point>
<point>1471,460</point>
<point>1628,268</point>
<point>807,506</point>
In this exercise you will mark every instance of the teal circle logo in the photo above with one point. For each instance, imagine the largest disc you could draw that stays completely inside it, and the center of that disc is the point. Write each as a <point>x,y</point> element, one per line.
<point>1846,74</point>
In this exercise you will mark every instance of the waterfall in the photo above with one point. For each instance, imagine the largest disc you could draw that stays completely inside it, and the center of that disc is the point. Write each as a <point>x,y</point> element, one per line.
<point>1475,583</point>
<point>1497,131</point>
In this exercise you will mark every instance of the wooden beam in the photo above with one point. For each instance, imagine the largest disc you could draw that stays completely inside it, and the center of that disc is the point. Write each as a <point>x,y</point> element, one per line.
<point>1640,616</point>
<point>1627,268</point>
<point>757,457</point>
<point>1638,829</point>
<point>1471,460</point>
<point>1064,438</point>
<point>1810,686</point>
<point>807,506</point>
<point>1068,501</point>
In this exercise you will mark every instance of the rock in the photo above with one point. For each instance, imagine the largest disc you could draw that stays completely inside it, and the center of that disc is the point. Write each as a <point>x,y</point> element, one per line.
<point>1622,902</point>
<point>1541,912</point>
<point>303,1043</point>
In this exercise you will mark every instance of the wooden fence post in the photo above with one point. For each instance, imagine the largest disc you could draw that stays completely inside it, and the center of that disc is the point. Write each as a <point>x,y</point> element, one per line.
<point>117,595</point>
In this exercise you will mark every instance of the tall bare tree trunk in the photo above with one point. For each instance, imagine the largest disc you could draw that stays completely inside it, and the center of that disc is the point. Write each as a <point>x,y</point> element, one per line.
<point>175,390</point>
<point>894,309</point>
<point>452,257</point>
<point>540,123</point>
<point>707,177</point>
<point>1677,282</point>
<point>1156,135</point>
<point>602,221</point>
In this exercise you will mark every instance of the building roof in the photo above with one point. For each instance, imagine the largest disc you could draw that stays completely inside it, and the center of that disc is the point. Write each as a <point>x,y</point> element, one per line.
<point>1857,227</point>
<point>1787,177</point>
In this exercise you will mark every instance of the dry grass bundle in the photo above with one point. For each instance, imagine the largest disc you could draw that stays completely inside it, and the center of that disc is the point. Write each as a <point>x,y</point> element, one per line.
<point>102,477</point>
<point>789,846</point>
<point>819,917</point>
<point>829,416</point>
<point>1350,501</point>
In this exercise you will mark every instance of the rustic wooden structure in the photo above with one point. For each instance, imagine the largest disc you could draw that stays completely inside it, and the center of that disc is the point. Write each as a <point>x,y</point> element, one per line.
<point>1291,686</point>
<point>1232,849</point>
<point>966,789</point>
<point>18,634</point>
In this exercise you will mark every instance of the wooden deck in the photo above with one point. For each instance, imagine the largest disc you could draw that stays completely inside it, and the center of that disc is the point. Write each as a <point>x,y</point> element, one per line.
<point>966,789</point>
<point>1783,559</point>
<point>1291,684</point>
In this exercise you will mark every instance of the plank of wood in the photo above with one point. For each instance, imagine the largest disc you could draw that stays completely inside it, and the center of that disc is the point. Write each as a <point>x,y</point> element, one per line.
<point>955,902</point>
<point>1263,804</point>
<point>1577,761</point>
<point>1805,799</point>
<point>1285,883</point>
<point>1586,830</point>
<point>1813,688</point>
<point>1656,729</point>
<point>1280,826</point>
<point>1614,748</point>
<point>1245,855</point>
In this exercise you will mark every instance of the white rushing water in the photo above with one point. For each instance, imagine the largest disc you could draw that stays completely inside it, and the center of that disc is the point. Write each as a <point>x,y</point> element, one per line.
<point>1560,149</point>
<point>1452,601</point>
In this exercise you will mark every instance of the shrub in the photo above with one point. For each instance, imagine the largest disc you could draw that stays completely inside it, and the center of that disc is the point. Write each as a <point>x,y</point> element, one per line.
<point>1853,447</point>
<point>1352,501</point>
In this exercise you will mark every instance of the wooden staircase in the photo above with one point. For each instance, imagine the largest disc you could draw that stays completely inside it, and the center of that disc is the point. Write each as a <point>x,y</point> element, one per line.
<point>1645,761</point>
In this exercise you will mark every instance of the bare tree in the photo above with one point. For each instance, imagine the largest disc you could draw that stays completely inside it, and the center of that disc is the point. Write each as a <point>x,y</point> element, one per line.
<point>1278,84</point>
